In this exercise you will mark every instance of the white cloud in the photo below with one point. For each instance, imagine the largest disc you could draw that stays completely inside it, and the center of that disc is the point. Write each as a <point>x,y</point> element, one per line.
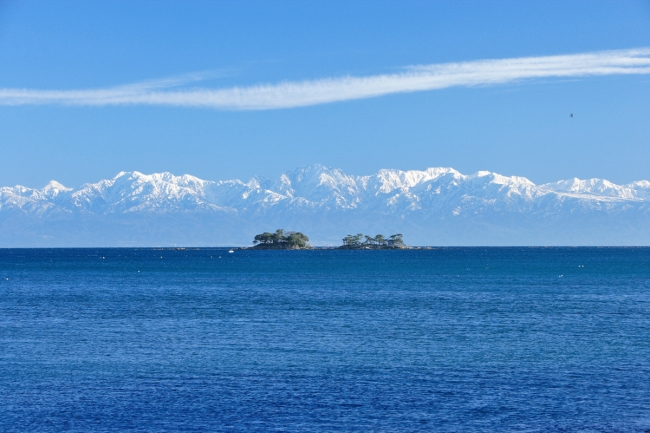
<point>313,92</point>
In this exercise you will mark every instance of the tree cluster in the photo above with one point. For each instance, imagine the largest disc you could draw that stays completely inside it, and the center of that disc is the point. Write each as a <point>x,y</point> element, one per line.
<point>281,240</point>
<point>360,240</point>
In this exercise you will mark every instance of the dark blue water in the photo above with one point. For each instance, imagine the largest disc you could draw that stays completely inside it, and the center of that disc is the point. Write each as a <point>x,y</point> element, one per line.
<point>446,340</point>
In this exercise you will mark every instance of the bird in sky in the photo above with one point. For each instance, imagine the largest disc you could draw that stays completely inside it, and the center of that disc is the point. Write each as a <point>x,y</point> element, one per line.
<point>571,114</point>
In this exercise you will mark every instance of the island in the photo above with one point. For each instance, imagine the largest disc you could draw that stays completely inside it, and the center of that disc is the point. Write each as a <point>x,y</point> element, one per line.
<point>379,242</point>
<point>281,241</point>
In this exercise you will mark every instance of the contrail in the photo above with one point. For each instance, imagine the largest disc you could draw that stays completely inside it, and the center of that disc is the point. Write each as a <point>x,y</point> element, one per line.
<point>313,92</point>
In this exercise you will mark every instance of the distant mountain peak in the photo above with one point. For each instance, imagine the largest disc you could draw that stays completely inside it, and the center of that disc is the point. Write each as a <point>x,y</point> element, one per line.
<point>54,185</point>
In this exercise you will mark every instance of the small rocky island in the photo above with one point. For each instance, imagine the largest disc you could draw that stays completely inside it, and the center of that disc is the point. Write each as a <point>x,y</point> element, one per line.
<point>379,242</point>
<point>281,241</point>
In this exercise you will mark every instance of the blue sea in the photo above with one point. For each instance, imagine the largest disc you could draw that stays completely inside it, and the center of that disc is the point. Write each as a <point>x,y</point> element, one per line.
<point>440,340</point>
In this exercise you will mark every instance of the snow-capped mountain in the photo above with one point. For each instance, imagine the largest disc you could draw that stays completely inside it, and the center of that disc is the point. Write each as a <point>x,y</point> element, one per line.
<point>432,206</point>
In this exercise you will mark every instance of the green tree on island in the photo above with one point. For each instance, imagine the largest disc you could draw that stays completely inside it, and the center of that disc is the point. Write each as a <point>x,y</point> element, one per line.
<point>351,240</point>
<point>396,240</point>
<point>296,239</point>
<point>379,241</point>
<point>279,240</point>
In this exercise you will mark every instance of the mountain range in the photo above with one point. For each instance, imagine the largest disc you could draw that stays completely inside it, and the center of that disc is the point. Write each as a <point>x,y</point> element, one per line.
<point>436,206</point>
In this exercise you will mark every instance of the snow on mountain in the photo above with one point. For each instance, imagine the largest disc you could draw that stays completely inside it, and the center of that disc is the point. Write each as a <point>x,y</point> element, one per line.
<point>318,187</point>
<point>596,188</point>
<point>335,199</point>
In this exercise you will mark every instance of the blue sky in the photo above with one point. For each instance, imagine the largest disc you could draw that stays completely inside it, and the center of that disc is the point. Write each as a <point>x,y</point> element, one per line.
<point>515,127</point>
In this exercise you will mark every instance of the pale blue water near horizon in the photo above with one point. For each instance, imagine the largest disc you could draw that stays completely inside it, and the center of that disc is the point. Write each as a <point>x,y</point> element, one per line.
<point>445,340</point>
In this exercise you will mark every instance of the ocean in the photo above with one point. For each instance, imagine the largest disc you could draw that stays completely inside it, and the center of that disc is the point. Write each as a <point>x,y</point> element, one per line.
<point>441,340</point>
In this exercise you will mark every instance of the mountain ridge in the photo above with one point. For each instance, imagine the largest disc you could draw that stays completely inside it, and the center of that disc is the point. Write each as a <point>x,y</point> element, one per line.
<point>322,198</point>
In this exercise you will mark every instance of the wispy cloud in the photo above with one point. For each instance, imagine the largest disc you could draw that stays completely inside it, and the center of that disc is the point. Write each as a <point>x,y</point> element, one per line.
<point>304,93</point>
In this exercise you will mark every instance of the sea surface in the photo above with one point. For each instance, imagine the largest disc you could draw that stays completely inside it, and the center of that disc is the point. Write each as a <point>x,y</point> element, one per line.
<point>440,340</point>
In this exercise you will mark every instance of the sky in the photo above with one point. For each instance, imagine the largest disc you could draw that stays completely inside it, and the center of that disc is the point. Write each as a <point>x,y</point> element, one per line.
<point>224,90</point>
